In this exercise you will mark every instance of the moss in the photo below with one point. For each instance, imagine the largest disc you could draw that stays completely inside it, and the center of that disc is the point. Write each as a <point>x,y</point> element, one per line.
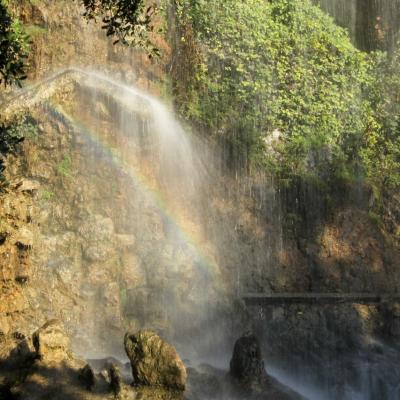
<point>47,195</point>
<point>35,30</point>
<point>375,218</point>
<point>64,167</point>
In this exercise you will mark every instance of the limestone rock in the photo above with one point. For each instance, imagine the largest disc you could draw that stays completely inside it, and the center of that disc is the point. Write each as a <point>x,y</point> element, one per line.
<point>133,272</point>
<point>28,186</point>
<point>4,326</point>
<point>112,306</point>
<point>247,365</point>
<point>51,343</point>
<point>16,356</point>
<point>98,235</point>
<point>125,241</point>
<point>24,238</point>
<point>154,362</point>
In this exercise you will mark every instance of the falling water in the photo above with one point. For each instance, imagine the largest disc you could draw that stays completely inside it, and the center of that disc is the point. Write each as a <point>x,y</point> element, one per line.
<point>169,181</point>
<point>191,225</point>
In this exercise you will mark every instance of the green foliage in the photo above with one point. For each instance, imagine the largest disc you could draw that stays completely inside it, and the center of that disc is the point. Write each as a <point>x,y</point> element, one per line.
<point>47,195</point>
<point>281,65</point>
<point>34,30</point>
<point>13,134</point>
<point>64,168</point>
<point>123,296</point>
<point>380,151</point>
<point>24,128</point>
<point>10,135</point>
<point>14,46</point>
<point>129,21</point>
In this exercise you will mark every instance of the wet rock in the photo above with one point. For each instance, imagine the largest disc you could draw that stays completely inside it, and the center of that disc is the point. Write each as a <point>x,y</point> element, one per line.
<point>98,235</point>
<point>51,343</point>
<point>115,379</point>
<point>154,362</point>
<point>125,241</point>
<point>247,365</point>
<point>86,377</point>
<point>111,300</point>
<point>97,252</point>
<point>133,273</point>
<point>205,382</point>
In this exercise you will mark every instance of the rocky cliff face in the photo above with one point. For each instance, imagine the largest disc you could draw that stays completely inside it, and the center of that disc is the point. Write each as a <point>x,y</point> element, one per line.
<point>81,241</point>
<point>61,38</point>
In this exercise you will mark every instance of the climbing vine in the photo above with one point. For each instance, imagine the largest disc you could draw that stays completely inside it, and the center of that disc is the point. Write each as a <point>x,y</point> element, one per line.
<point>277,74</point>
<point>284,89</point>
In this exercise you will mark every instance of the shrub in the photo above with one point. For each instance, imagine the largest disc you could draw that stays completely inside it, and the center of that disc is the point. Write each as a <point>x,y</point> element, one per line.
<point>280,66</point>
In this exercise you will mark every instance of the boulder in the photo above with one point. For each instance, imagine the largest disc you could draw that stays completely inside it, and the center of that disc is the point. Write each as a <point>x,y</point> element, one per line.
<point>51,343</point>
<point>247,365</point>
<point>154,362</point>
<point>86,377</point>
<point>115,379</point>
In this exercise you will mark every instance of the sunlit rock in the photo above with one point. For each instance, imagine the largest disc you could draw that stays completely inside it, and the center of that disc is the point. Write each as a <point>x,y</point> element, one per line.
<point>125,241</point>
<point>133,272</point>
<point>12,299</point>
<point>154,362</point>
<point>97,233</point>
<point>24,238</point>
<point>28,186</point>
<point>4,326</point>
<point>51,342</point>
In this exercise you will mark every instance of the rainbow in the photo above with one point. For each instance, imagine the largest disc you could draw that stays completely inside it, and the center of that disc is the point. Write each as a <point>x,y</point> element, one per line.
<point>208,266</point>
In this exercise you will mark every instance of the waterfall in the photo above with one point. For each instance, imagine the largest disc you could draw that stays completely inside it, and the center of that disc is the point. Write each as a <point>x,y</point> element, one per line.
<point>188,240</point>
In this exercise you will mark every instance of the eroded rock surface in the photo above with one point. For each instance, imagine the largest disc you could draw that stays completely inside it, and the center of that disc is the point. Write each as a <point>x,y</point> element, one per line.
<point>51,343</point>
<point>247,364</point>
<point>154,362</point>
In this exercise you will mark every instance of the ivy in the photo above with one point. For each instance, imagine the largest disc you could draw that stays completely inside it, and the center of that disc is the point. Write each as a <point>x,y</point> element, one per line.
<point>280,66</point>
<point>380,149</point>
<point>14,47</point>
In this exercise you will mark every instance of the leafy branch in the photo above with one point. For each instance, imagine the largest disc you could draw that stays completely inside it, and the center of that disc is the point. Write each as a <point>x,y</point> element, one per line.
<point>129,21</point>
<point>14,47</point>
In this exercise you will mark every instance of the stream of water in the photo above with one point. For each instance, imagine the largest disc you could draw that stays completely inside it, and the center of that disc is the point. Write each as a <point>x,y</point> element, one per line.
<point>195,254</point>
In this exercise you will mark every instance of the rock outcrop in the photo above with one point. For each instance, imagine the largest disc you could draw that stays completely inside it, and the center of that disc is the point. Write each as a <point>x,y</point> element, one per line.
<point>247,365</point>
<point>86,377</point>
<point>51,343</point>
<point>17,355</point>
<point>154,362</point>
